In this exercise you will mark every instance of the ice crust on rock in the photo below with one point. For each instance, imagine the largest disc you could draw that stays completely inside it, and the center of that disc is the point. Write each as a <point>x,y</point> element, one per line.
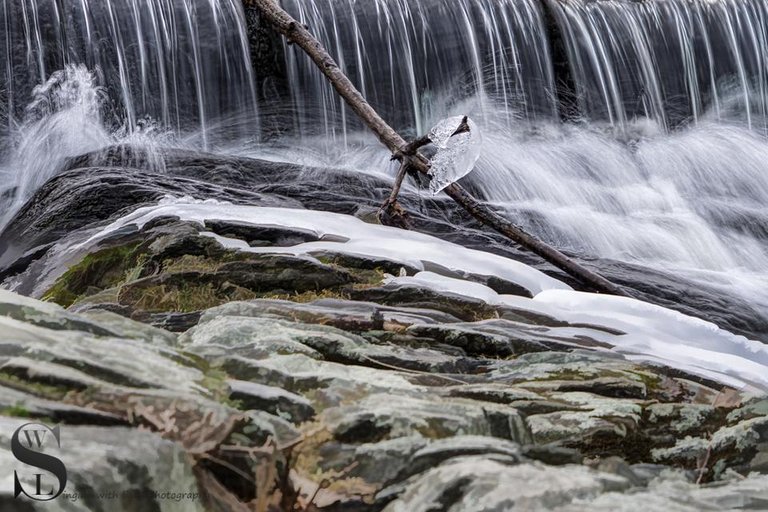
<point>362,239</point>
<point>650,333</point>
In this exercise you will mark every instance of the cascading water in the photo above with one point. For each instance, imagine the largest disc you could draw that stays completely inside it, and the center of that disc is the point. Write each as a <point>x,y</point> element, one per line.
<point>76,75</point>
<point>616,184</point>
<point>182,63</point>
<point>673,61</point>
<point>662,162</point>
<point>414,61</point>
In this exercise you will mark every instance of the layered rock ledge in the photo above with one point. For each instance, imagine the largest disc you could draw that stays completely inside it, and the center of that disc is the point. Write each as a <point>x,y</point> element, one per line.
<point>292,359</point>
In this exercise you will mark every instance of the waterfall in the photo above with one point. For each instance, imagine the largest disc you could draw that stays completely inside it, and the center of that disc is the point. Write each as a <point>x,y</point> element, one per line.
<point>673,61</point>
<point>665,164</point>
<point>182,64</point>
<point>77,75</point>
<point>414,60</point>
<point>629,130</point>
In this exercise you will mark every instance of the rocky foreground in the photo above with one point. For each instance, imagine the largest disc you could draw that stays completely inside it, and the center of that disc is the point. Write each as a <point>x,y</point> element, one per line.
<point>214,364</point>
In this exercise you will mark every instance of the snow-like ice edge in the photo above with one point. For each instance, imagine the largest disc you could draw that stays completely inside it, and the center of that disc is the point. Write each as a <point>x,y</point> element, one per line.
<point>652,333</point>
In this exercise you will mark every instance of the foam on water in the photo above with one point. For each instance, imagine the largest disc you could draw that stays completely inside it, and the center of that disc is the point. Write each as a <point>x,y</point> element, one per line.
<point>182,63</point>
<point>691,203</point>
<point>667,164</point>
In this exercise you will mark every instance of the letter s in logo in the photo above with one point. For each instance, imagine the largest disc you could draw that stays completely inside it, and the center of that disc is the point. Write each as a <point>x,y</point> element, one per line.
<point>34,433</point>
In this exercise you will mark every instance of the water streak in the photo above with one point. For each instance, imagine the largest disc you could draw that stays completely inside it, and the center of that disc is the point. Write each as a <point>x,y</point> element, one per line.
<point>671,60</point>
<point>414,60</point>
<point>182,63</point>
<point>667,164</point>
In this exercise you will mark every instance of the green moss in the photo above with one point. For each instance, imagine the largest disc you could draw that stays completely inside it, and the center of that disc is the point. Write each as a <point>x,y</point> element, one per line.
<point>215,381</point>
<point>565,374</point>
<point>652,382</point>
<point>307,296</point>
<point>37,388</point>
<point>185,297</point>
<point>101,270</point>
<point>191,263</point>
<point>366,273</point>
<point>368,278</point>
<point>17,410</point>
<point>20,411</point>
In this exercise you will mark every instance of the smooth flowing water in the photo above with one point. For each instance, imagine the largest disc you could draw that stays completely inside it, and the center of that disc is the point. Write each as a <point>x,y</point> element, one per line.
<point>180,63</point>
<point>673,61</point>
<point>77,75</point>
<point>617,129</point>
<point>415,60</point>
<point>664,158</point>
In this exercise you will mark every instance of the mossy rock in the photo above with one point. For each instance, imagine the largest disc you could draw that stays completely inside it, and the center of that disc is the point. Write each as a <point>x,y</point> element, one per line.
<point>180,292</point>
<point>95,272</point>
<point>463,308</point>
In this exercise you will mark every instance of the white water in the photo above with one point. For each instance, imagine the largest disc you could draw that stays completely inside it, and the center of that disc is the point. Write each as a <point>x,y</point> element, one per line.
<point>78,75</point>
<point>692,203</point>
<point>672,61</point>
<point>181,63</point>
<point>667,165</point>
<point>629,181</point>
<point>63,119</point>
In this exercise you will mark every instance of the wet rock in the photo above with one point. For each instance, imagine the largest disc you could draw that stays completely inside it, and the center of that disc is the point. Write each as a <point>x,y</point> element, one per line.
<point>44,315</point>
<point>328,383</point>
<point>366,263</point>
<point>19,404</point>
<point>261,334</point>
<point>437,452</point>
<point>258,236</point>
<point>109,468</point>
<point>614,387</point>
<point>617,466</point>
<point>116,361</point>
<point>406,296</point>
<point>172,322</point>
<point>672,491</point>
<point>597,416</point>
<point>483,484</point>
<point>127,328</point>
<point>276,401</point>
<point>264,428</point>
<point>477,341</point>
<point>255,338</point>
<point>492,392</point>
<point>742,447</point>
<point>754,408</point>
<point>553,454</point>
<point>386,461</point>
<point>574,365</point>
<point>376,417</point>
<point>682,419</point>
<point>188,290</point>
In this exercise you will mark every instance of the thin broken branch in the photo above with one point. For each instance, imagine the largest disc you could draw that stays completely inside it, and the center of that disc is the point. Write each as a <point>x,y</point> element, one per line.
<point>391,213</point>
<point>299,35</point>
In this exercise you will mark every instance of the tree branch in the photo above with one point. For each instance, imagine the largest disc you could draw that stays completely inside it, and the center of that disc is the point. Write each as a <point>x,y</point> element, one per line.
<point>391,213</point>
<point>297,34</point>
